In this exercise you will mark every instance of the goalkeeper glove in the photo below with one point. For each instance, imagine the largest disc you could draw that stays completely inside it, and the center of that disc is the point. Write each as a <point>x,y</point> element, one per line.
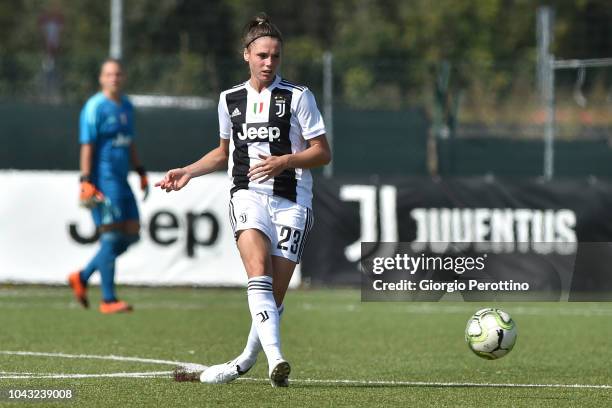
<point>144,182</point>
<point>90,196</point>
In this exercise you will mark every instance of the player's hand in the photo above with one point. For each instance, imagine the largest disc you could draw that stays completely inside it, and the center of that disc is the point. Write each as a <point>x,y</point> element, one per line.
<point>144,181</point>
<point>90,196</point>
<point>270,166</point>
<point>174,180</point>
<point>144,186</point>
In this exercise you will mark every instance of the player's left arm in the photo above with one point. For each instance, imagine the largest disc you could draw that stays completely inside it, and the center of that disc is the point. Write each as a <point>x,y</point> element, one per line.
<point>139,168</point>
<point>316,154</point>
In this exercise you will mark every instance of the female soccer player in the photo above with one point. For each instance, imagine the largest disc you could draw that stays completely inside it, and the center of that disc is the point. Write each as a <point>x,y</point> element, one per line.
<point>107,153</point>
<point>271,134</point>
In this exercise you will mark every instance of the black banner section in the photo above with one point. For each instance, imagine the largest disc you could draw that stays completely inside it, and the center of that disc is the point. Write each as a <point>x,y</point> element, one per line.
<point>543,233</point>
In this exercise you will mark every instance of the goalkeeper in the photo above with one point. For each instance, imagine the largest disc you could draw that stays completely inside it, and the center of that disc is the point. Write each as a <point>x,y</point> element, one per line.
<point>107,154</point>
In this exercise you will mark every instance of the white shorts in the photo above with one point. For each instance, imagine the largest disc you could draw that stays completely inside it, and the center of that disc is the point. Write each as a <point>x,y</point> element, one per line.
<point>284,222</point>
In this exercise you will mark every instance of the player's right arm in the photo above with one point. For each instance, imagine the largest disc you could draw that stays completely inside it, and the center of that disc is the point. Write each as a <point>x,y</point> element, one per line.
<point>86,158</point>
<point>214,160</point>
<point>89,195</point>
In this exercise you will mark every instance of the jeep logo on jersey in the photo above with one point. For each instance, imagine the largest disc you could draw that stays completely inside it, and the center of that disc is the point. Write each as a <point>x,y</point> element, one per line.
<point>271,133</point>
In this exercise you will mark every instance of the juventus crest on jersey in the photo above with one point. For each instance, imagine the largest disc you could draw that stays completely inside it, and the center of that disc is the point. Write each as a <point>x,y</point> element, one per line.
<point>276,121</point>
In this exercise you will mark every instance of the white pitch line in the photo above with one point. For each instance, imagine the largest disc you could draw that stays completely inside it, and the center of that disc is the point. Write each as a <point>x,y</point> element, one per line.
<point>92,356</point>
<point>148,374</point>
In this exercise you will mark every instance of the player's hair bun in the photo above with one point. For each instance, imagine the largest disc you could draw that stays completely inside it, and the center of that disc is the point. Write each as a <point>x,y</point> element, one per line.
<point>260,26</point>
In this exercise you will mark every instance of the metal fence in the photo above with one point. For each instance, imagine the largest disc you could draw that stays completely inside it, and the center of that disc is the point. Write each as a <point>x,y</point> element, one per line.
<point>462,101</point>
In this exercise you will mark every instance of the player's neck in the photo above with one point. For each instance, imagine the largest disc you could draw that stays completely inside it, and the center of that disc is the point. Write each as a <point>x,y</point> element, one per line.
<point>259,85</point>
<point>113,96</point>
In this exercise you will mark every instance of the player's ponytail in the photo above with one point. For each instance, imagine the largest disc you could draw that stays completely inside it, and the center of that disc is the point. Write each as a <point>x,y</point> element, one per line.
<point>260,26</point>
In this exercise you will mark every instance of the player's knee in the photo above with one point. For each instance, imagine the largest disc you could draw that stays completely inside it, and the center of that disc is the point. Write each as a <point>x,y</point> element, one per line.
<point>110,237</point>
<point>117,242</point>
<point>112,242</point>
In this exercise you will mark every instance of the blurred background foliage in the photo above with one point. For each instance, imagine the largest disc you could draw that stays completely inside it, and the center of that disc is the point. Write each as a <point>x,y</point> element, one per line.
<point>388,55</point>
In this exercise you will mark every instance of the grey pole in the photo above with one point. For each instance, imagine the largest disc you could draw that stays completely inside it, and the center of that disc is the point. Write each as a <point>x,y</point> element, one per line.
<point>546,84</point>
<point>116,29</point>
<point>328,98</point>
<point>549,129</point>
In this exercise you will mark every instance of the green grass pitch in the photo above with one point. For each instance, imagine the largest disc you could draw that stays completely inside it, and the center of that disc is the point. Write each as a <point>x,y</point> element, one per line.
<point>343,352</point>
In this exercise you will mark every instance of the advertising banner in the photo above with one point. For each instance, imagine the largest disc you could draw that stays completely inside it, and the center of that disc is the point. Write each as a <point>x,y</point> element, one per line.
<point>186,237</point>
<point>552,237</point>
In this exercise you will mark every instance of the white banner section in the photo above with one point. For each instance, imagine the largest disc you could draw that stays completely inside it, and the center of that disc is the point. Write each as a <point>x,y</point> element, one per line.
<point>186,237</point>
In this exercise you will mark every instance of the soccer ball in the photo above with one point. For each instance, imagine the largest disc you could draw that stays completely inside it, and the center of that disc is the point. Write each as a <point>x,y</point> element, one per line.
<point>490,333</point>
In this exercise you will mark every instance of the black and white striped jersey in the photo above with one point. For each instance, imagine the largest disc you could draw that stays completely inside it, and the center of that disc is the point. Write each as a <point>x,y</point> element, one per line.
<point>277,121</point>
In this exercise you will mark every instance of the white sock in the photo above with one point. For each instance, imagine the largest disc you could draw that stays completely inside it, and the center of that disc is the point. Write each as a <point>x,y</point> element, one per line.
<point>253,346</point>
<point>265,316</point>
